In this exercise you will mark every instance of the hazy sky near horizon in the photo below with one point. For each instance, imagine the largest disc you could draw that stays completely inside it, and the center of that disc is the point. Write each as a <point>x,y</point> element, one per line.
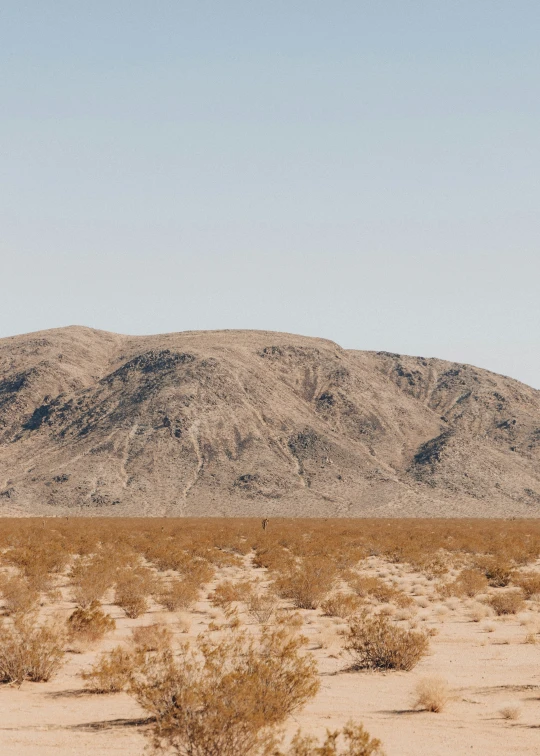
<point>367,172</point>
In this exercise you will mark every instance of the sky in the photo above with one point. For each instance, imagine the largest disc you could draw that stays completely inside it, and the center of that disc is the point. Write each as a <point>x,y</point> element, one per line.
<point>366,172</point>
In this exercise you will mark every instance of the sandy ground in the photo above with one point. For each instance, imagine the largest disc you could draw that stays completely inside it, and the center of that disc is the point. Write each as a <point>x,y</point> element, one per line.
<point>488,665</point>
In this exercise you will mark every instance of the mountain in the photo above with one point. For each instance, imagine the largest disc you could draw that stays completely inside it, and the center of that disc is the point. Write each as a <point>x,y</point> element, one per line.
<point>257,423</point>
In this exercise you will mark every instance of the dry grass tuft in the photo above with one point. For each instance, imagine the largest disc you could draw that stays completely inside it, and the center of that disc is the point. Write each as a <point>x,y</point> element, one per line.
<point>510,711</point>
<point>431,694</point>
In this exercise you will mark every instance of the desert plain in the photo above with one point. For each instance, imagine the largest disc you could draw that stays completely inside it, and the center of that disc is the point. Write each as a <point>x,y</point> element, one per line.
<point>469,590</point>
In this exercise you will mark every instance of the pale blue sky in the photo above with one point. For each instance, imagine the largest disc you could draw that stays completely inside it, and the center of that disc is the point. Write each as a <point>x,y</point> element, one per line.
<point>363,171</point>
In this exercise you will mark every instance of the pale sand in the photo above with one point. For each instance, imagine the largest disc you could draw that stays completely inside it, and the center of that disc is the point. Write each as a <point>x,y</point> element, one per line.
<point>485,670</point>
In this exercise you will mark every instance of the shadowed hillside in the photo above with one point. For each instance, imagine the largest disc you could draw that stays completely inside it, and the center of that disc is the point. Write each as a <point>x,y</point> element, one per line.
<point>253,422</point>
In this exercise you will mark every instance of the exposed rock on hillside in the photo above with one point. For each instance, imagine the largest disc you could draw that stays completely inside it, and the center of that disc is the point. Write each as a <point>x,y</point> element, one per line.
<point>247,422</point>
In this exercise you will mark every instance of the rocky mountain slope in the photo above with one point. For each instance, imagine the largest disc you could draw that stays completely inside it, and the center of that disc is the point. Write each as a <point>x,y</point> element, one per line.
<point>257,423</point>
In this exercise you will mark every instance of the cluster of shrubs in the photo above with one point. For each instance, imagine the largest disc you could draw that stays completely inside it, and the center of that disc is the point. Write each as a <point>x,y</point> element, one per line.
<point>229,696</point>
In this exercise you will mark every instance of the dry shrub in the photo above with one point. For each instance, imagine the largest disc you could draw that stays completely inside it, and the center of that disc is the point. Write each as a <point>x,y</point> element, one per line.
<point>154,637</point>
<point>353,740</point>
<point>111,673</point>
<point>342,605</point>
<point>38,558</point>
<point>529,582</point>
<point>468,583</point>
<point>178,594</point>
<point>367,586</point>
<point>507,602</point>
<point>431,694</point>
<point>307,584</point>
<point>293,621</point>
<point>20,597</point>
<point>511,711</point>
<point>376,643</point>
<point>89,624</point>
<point>133,589</point>
<point>225,697</point>
<point>497,570</point>
<point>91,577</point>
<point>228,593</point>
<point>261,606</point>
<point>28,652</point>
<point>478,612</point>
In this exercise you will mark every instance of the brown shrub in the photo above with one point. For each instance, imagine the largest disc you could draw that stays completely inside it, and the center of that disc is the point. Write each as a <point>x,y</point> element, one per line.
<point>178,594</point>
<point>497,570</point>
<point>154,637</point>
<point>91,577</point>
<point>225,697</point>
<point>111,673</point>
<point>365,586</point>
<point>353,740</point>
<point>28,652</point>
<point>375,643</point>
<point>89,624</point>
<point>20,597</point>
<point>468,583</point>
<point>431,694</point>
<point>308,583</point>
<point>261,606</point>
<point>342,605</point>
<point>228,593</point>
<point>507,602</point>
<point>529,582</point>
<point>133,589</point>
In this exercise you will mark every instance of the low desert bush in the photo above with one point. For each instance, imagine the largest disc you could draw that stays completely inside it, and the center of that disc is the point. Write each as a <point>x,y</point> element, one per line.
<point>529,582</point>
<point>478,612</point>
<point>29,652</point>
<point>376,643</point>
<point>307,584</point>
<point>497,569</point>
<point>20,597</point>
<point>91,577</point>
<point>510,711</point>
<point>507,602</point>
<point>133,588</point>
<point>178,594</point>
<point>431,694</point>
<point>154,637</point>
<point>368,586</point>
<point>342,605</point>
<point>468,583</point>
<point>89,624</point>
<point>353,740</point>
<point>229,592</point>
<point>111,673</point>
<point>261,606</point>
<point>225,697</point>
